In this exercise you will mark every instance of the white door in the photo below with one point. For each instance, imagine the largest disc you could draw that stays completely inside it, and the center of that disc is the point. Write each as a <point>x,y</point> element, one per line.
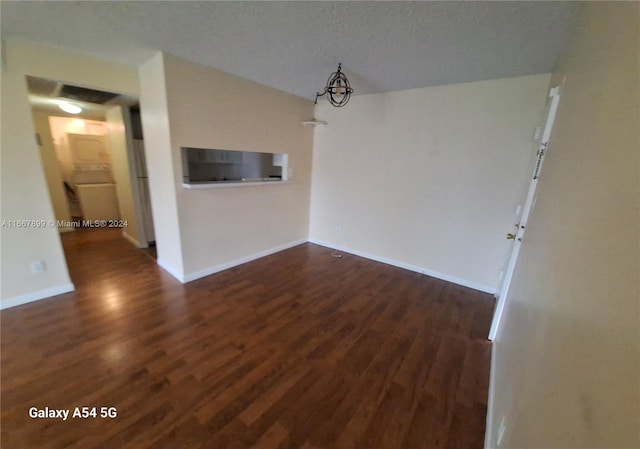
<point>518,236</point>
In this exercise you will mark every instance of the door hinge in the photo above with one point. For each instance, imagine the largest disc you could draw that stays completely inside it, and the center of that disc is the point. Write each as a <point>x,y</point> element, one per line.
<point>540,155</point>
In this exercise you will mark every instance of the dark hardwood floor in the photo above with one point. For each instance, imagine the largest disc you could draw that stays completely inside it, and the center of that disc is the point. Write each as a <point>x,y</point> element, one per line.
<point>295,350</point>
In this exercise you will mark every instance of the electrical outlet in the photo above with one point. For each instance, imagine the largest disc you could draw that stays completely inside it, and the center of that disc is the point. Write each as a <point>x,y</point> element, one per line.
<point>502,428</point>
<point>38,266</point>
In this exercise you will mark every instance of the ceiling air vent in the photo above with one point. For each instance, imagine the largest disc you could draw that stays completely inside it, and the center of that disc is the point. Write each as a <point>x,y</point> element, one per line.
<point>89,95</point>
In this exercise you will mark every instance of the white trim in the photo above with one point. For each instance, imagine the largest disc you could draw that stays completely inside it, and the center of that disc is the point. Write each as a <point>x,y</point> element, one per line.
<point>36,296</point>
<point>169,269</point>
<point>489,439</point>
<point>222,184</point>
<point>136,243</point>
<point>225,266</point>
<point>406,266</point>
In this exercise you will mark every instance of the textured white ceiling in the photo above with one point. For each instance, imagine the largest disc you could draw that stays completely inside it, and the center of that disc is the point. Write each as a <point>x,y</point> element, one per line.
<point>294,46</point>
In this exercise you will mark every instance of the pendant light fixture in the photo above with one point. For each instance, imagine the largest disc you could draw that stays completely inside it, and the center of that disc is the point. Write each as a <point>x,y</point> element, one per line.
<point>338,90</point>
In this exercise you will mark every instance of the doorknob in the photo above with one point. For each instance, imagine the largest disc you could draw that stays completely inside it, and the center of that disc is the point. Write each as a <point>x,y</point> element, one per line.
<point>511,236</point>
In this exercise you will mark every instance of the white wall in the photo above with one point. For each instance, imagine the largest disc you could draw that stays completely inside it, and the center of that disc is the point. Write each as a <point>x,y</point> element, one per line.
<point>160,164</point>
<point>428,178</point>
<point>206,108</point>
<point>22,169</point>
<point>566,368</point>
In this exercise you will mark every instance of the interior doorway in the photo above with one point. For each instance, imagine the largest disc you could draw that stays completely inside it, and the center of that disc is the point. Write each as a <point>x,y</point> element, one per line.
<point>92,150</point>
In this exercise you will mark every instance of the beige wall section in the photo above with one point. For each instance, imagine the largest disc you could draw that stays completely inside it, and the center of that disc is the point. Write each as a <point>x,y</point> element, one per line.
<point>213,109</point>
<point>566,369</point>
<point>22,170</point>
<point>428,178</point>
<point>122,170</point>
<point>160,164</point>
<point>51,166</point>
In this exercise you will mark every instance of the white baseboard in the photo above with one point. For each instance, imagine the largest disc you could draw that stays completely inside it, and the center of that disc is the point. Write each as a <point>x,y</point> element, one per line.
<point>406,266</point>
<point>132,240</point>
<point>489,437</point>
<point>225,266</point>
<point>172,271</point>
<point>36,296</point>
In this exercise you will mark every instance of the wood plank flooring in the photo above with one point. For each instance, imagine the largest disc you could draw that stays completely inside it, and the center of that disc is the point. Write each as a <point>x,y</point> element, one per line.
<point>295,350</point>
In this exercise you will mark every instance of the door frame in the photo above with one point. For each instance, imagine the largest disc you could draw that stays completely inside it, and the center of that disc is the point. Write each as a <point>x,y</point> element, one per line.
<point>141,233</point>
<point>503,294</point>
